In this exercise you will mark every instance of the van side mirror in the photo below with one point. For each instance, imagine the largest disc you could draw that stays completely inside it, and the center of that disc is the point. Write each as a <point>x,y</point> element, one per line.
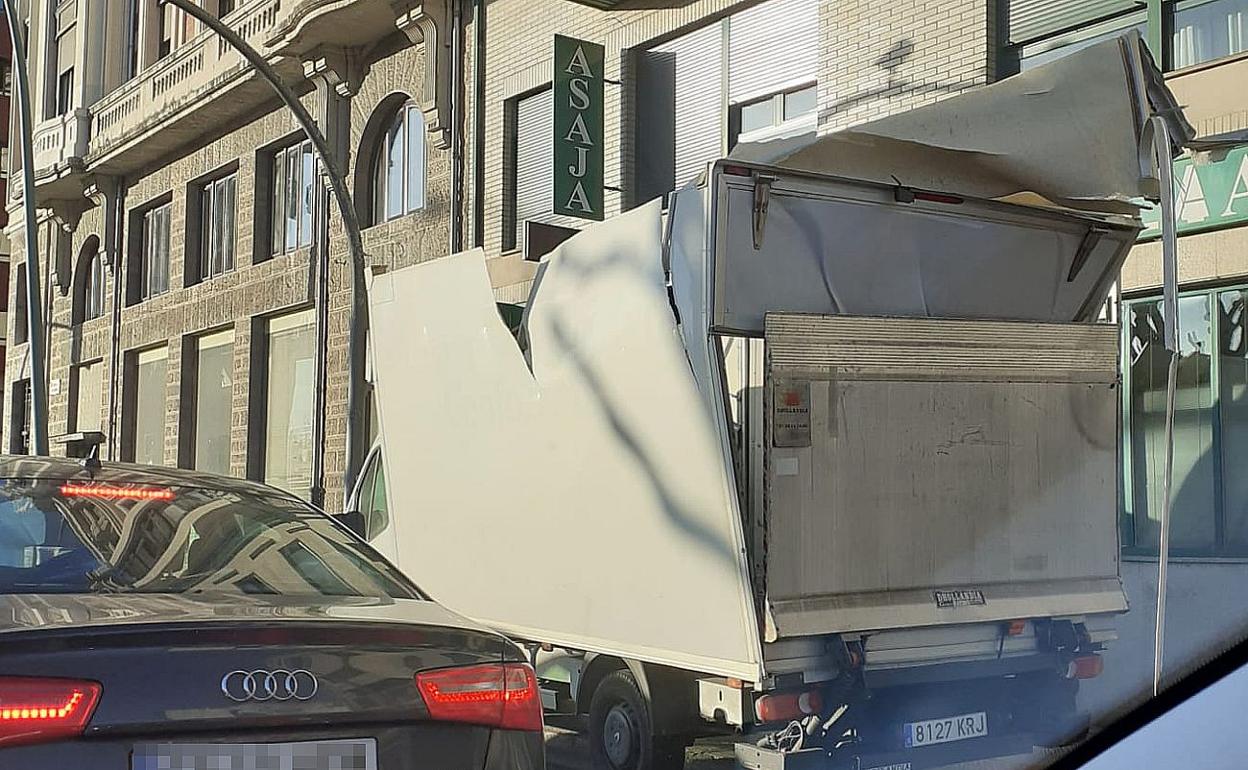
<point>352,520</point>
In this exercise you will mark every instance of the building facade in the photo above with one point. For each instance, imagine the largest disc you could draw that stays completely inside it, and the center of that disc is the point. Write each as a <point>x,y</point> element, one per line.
<point>175,195</point>
<point>1203,46</point>
<point>176,213</point>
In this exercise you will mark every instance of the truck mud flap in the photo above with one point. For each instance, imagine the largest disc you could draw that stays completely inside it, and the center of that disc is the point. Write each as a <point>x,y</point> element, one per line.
<point>752,757</point>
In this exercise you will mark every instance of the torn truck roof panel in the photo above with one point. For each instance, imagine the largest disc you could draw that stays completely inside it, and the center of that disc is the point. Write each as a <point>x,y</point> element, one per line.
<point>1066,132</point>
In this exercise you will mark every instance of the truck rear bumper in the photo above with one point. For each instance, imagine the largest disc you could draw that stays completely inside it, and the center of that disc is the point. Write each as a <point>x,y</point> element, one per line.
<point>1013,714</point>
<point>753,757</point>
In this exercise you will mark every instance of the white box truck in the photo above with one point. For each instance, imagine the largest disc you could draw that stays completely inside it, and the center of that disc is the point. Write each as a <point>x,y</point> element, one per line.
<point>830,443</point>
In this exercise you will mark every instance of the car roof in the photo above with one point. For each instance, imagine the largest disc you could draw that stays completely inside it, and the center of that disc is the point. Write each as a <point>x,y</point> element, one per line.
<point>63,468</point>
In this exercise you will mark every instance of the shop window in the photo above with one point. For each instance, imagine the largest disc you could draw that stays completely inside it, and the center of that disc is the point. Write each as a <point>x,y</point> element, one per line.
<point>88,382</point>
<point>211,421</point>
<point>143,421</point>
<point>289,401</point>
<point>1209,512</point>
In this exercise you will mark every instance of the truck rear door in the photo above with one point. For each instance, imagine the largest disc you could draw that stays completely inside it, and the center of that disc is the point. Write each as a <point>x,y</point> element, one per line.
<point>932,471</point>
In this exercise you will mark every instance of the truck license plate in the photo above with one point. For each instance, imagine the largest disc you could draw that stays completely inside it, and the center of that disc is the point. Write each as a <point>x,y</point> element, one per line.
<point>932,731</point>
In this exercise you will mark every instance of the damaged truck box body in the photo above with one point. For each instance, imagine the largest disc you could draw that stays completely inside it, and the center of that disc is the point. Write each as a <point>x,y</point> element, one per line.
<point>806,439</point>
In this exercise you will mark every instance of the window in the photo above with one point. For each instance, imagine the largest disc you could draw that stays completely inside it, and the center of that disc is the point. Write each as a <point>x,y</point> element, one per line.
<point>1209,512</point>
<point>64,29</point>
<point>1203,31</point>
<point>225,7</point>
<point>217,232</point>
<point>399,166</point>
<point>154,265</point>
<point>130,64</point>
<point>773,116</point>
<point>194,541</point>
<point>146,407</point>
<point>289,403</point>
<point>88,397</point>
<point>19,428</point>
<point>1066,43</point>
<point>89,283</point>
<point>373,504</point>
<point>64,91</point>
<point>164,30</point>
<point>534,163</point>
<point>20,331</point>
<point>292,185</point>
<point>214,402</point>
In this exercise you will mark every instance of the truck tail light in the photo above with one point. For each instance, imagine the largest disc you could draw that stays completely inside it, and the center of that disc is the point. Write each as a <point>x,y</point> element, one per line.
<point>37,710</point>
<point>1086,667</point>
<point>500,695</point>
<point>783,707</point>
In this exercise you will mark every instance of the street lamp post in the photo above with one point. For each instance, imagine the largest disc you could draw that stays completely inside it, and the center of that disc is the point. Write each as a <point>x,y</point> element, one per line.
<point>356,390</point>
<point>34,302</point>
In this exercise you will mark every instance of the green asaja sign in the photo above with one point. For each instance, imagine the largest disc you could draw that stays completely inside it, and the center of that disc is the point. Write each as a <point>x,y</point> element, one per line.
<point>1207,195</point>
<point>578,137</point>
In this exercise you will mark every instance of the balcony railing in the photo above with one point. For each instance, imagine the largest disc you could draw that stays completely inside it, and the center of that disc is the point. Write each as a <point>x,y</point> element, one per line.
<point>193,72</point>
<point>60,141</point>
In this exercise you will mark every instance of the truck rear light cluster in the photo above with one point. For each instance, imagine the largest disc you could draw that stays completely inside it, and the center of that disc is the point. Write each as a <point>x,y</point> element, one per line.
<point>1085,667</point>
<point>784,707</point>
<point>500,695</point>
<point>37,710</point>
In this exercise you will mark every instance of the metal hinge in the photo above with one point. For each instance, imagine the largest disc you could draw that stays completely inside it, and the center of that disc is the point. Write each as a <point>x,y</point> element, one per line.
<point>762,196</point>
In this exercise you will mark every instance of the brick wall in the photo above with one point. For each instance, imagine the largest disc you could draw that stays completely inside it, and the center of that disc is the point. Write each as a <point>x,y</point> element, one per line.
<point>877,57</point>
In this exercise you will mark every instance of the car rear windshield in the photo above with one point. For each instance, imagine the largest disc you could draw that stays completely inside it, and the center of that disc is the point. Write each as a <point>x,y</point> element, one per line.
<point>76,537</point>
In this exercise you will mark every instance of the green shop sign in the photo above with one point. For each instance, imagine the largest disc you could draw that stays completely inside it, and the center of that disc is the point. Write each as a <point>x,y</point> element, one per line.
<point>1207,195</point>
<point>578,83</point>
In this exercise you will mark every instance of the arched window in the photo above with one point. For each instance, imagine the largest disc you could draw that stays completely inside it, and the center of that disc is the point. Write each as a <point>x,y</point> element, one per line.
<point>399,166</point>
<point>89,282</point>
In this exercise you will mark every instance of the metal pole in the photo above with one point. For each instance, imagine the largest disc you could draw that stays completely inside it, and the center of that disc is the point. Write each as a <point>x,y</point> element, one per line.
<point>1157,139</point>
<point>34,304</point>
<point>356,390</point>
<point>321,289</point>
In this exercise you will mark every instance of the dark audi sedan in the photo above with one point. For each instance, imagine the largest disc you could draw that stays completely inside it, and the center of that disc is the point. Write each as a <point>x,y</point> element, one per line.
<point>154,619</point>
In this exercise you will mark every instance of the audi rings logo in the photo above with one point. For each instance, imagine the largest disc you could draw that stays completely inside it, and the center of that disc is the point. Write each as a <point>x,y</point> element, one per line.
<point>261,685</point>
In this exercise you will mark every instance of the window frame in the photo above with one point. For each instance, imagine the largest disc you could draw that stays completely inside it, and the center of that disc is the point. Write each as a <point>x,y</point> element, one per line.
<point>90,288</point>
<point>780,125</point>
<point>156,222</point>
<point>399,128</point>
<point>205,199</point>
<point>296,155</point>
<point>1170,9</point>
<point>1127,512</point>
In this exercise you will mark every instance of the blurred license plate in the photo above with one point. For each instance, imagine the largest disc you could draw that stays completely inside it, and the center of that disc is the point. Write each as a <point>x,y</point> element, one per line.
<point>932,731</point>
<point>311,755</point>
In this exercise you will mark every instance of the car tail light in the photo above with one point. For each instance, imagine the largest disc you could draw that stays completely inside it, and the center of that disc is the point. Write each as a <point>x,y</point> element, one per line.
<point>1086,667</point>
<point>496,694</point>
<point>782,707</point>
<point>34,710</point>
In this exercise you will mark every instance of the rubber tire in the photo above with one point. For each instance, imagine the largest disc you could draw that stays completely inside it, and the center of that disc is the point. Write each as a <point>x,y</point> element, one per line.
<point>619,690</point>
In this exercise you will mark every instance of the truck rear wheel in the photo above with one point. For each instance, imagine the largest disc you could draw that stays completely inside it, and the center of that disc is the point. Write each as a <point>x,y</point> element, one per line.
<point>621,733</point>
